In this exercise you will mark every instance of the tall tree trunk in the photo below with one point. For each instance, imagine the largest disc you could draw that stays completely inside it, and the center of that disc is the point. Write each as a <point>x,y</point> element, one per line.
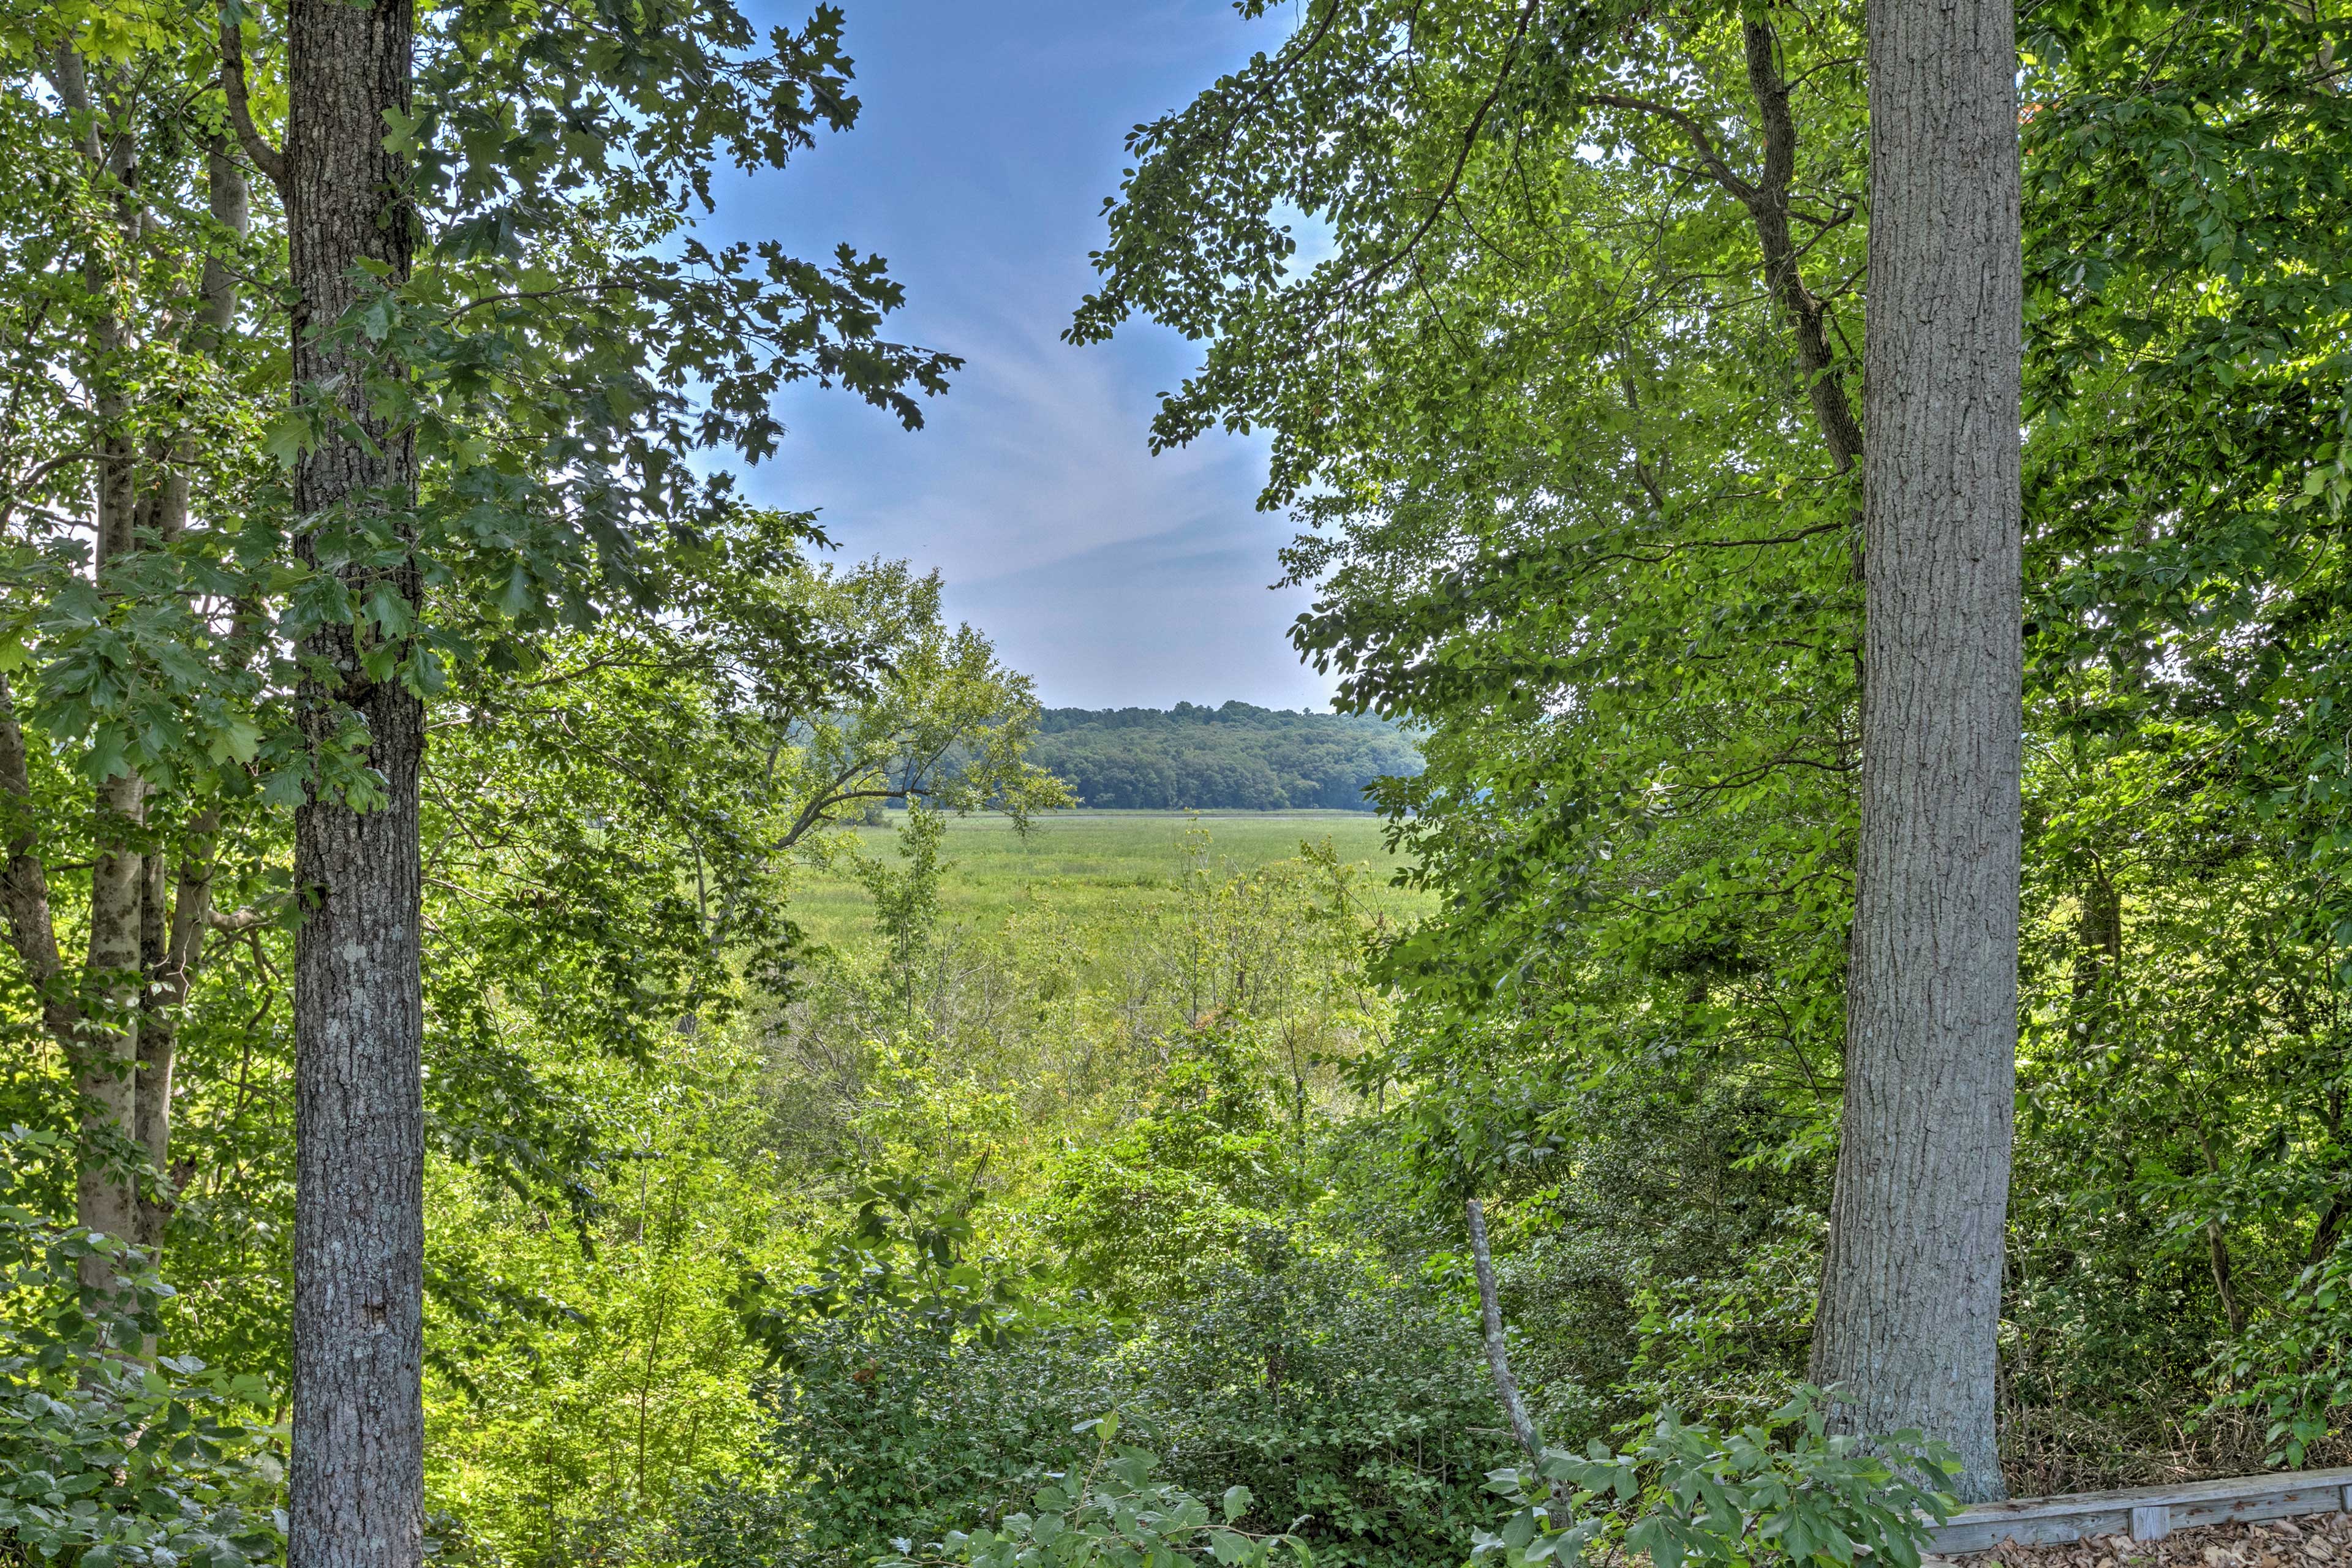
<point>1910,1303</point>
<point>106,1193</point>
<point>357,1461</point>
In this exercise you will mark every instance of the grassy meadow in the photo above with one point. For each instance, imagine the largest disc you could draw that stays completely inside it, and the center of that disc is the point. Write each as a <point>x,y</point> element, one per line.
<point>1095,860</point>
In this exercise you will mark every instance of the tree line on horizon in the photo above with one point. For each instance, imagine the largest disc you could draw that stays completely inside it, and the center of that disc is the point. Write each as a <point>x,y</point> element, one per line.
<point>1232,757</point>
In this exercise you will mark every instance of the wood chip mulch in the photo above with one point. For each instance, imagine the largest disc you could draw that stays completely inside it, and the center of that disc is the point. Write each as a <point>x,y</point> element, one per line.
<point>2313,1540</point>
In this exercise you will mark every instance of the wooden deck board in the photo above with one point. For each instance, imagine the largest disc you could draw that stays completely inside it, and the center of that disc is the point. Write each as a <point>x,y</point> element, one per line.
<point>2145,1513</point>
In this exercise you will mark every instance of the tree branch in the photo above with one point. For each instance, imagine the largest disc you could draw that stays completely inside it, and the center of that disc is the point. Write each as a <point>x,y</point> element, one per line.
<point>1823,385</point>
<point>1444,197</point>
<point>42,470</point>
<point>1766,201</point>
<point>1720,171</point>
<point>813,814</point>
<point>266,158</point>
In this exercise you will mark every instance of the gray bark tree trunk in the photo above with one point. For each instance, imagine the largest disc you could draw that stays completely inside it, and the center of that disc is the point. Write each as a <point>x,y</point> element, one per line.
<point>357,1478</point>
<point>1910,1302</point>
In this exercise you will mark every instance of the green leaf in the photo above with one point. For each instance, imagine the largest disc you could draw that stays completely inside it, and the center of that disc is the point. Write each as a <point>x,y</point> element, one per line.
<point>287,438</point>
<point>238,740</point>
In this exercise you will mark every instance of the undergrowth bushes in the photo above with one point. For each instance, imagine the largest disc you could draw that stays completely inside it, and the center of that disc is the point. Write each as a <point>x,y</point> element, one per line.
<point>112,1454</point>
<point>1352,1406</point>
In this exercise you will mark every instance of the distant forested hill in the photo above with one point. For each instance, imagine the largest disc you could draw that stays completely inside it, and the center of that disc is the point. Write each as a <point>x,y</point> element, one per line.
<point>1233,758</point>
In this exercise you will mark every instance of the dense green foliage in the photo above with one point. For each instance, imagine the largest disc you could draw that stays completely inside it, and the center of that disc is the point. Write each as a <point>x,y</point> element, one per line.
<point>1781,1489</point>
<point>1353,1407</point>
<point>1235,757</point>
<point>833,1156</point>
<point>1565,404</point>
<point>1116,1513</point>
<point>108,1460</point>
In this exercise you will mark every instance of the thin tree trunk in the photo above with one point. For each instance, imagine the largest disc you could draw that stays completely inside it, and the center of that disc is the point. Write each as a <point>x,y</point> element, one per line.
<point>1498,1354</point>
<point>2330,1222</point>
<point>177,910</point>
<point>106,1193</point>
<point>2216,1245</point>
<point>2098,938</point>
<point>104,1048</point>
<point>1910,1302</point>
<point>2217,1254</point>
<point>357,1478</point>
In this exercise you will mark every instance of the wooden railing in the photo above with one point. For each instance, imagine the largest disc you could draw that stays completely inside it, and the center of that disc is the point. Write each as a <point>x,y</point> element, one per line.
<point>2143,1513</point>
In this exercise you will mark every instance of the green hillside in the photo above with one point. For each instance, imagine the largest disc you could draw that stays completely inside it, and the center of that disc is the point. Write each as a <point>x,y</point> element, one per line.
<point>1236,757</point>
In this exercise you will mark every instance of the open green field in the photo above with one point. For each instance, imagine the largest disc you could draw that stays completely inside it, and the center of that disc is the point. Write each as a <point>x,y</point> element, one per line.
<point>1081,860</point>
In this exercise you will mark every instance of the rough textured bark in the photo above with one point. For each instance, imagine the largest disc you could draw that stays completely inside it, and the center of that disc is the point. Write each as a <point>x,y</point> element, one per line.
<point>1910,1303</point>
<point>357,1478</point>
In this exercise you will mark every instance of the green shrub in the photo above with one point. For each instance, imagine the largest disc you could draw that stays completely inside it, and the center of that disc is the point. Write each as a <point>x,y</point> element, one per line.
<point>1115,1514</point>
<point>1779,1492</point>
<point>1354,1403</point>
<point>889,1429</point>
<point>108,1459</point>
<point>2294,1368</point>
<point>1350,1409</point>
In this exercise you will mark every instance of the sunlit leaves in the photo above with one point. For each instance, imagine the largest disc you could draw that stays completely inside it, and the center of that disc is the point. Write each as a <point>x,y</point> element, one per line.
<point>1781,1490</point>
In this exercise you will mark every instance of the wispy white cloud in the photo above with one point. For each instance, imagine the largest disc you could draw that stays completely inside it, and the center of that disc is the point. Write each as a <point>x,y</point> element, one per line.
<point>990,135</point>
<point>1182,615</point>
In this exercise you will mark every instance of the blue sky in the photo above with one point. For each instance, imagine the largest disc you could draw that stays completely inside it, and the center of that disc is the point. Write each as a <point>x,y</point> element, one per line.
<point>990,134</point>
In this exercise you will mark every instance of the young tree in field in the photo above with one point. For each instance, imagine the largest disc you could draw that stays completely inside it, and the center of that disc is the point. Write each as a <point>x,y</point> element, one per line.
<point>1910,1305</point>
